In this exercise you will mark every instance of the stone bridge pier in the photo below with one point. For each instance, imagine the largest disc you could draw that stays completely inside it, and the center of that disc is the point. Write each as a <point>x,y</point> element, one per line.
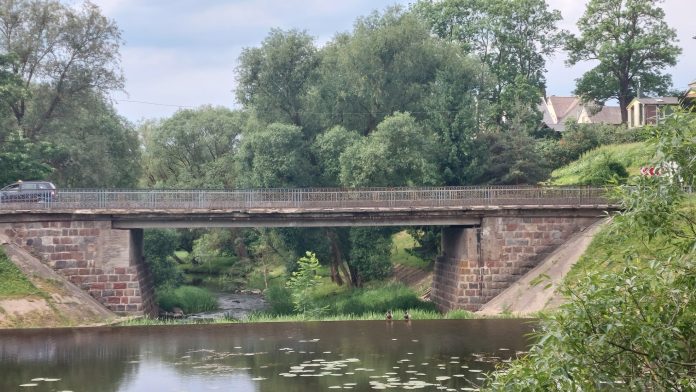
<point>107,263</point>
<point>478,262</point>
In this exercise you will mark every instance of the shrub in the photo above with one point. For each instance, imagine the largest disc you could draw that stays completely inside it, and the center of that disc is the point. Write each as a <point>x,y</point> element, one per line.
<point>393,296</point>
<point>302,284</point>
<point>604,170</point>
<point>158,245</point>
<point>189,298</point>
<point>279,300</point>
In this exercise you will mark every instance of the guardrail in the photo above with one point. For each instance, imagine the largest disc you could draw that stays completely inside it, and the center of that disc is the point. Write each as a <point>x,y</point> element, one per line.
<point>315,198</point>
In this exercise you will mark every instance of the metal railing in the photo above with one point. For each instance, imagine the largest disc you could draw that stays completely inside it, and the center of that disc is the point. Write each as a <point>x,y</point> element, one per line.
<point>309,198</point>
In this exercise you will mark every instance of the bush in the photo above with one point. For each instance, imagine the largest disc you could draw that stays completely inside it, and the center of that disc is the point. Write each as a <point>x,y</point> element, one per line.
<point>604,170</point>
<point>158,245</point>
<point>302,284</point>
<point>370,253</point>
<point>279,300</point>
<point>393,296</point>
<point>190,299</point>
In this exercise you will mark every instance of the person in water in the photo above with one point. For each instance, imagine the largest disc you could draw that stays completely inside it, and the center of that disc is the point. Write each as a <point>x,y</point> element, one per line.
<point>407,316</point>
<point>389,315</point>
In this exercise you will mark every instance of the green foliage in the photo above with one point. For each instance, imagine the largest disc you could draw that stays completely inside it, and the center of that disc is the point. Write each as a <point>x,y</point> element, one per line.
<point>11,87</point>
<point>159,244</point>
<point>279,299</point>
<point>275,156</point>
<point>14,282</point>
<point>195,148</point>
<point>22,159</point>
<point>631,156</point>
<point>580,138</point>
<point>388,63</point>
<point>67,51</point>
<point>631,42</point>
<point>378,299</point>
<point>603,171</point>
<point>94,146</point>
<point>328,148</point>
<point>370,253</point>
<point>302,285</point>
<point>403,245</point>
<point>275,78</point>
<point>631,321</point>
<point>398,152</point>
<point>511,37</point>
<point>511,157</point>
<point>190,299</point>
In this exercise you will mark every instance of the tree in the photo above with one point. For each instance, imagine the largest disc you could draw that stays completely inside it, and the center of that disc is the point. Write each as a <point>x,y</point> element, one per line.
<point>94,146</point>
<point>62,50</point>
<point>274,78</point>
<point>159,245</point>
<point>194,148</point>
<point>275,156</point>
<point>328,148</point>
<point>386,64</point>
<point>632,44</point>
<point>398,153</point>
<point>511,37</point>
<point>11,86</point>
<point>302,285</point>
<point>21,158</point>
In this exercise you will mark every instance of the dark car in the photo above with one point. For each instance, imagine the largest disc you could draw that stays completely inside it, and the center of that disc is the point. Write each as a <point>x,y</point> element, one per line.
<point>28,191</point>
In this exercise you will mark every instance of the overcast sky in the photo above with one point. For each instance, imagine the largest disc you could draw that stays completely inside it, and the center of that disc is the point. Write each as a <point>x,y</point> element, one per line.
<point>182,53</point>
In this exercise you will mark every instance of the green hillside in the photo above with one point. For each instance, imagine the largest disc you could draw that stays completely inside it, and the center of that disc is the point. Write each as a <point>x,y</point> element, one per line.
<point>631,155</point>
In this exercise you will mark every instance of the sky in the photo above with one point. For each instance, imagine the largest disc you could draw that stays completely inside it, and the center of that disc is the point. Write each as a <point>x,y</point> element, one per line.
<point>183,53</point>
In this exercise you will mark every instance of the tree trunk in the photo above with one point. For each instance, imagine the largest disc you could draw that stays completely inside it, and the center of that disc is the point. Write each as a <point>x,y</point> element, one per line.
<point>624,99</point>
<point>336,259</point>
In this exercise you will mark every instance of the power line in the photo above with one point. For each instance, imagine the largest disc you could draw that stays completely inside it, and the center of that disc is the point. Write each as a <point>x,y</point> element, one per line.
<point>154,103</point>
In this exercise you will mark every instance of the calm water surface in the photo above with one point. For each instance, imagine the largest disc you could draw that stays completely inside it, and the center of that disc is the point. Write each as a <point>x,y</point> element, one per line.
<point>320,356</point>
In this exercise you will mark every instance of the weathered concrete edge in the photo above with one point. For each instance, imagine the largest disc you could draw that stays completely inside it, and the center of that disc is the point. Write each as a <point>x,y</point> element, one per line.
<point>522,298</point>
<point>31,266</point>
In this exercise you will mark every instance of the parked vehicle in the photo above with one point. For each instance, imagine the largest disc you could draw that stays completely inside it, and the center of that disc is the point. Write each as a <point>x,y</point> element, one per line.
<point>28,191</point>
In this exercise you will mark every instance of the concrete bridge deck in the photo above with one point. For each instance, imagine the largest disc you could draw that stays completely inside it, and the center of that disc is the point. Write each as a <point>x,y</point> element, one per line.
<point>322,207</point>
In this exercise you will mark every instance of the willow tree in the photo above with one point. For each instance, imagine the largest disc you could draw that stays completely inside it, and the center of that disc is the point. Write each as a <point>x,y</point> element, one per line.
<point>61,51</point>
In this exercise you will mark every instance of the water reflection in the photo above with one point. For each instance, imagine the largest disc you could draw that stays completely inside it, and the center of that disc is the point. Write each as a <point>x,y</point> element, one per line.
<point>355,355</point>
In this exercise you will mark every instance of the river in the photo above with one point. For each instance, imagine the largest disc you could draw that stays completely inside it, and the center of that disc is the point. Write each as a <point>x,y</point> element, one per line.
<point>314,356</point>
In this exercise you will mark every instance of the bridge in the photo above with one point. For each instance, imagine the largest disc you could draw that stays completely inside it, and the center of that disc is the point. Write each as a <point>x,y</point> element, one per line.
<point>491,235</point>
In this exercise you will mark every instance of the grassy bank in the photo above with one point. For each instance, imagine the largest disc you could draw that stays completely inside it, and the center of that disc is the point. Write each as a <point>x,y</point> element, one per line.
<point>14,283</point>
<point>631,155</point>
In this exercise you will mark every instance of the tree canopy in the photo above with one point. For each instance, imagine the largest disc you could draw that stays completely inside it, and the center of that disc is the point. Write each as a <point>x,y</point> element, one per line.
<point>632,44</point>
<point>64,51</point>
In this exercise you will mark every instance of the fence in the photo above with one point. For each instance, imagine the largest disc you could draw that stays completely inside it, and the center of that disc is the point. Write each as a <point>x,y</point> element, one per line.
<point>309,198</point>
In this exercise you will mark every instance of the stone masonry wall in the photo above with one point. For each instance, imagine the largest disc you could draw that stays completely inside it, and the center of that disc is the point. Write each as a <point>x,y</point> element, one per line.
<point>105,262</point>
<point>508,247</point>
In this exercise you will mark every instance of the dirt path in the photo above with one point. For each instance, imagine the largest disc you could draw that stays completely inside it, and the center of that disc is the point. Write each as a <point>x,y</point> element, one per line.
<point>524,298</point>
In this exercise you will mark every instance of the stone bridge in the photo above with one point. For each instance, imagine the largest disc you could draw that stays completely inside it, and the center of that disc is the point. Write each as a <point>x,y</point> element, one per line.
<point>490,235</point>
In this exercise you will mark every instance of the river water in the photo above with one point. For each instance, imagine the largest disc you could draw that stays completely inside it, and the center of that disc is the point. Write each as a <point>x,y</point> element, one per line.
<point>316,356</point>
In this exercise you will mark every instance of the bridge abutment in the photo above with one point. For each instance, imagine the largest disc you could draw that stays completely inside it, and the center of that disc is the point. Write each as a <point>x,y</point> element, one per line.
<point>478,263</point>
<point>108,263</point>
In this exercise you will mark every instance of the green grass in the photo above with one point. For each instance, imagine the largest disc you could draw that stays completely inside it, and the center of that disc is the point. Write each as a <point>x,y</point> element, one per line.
<point>188,298</point>
<point>416,314</point>
<point>631,155</point>
<point>402,242</point>
<point>14,282</point>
